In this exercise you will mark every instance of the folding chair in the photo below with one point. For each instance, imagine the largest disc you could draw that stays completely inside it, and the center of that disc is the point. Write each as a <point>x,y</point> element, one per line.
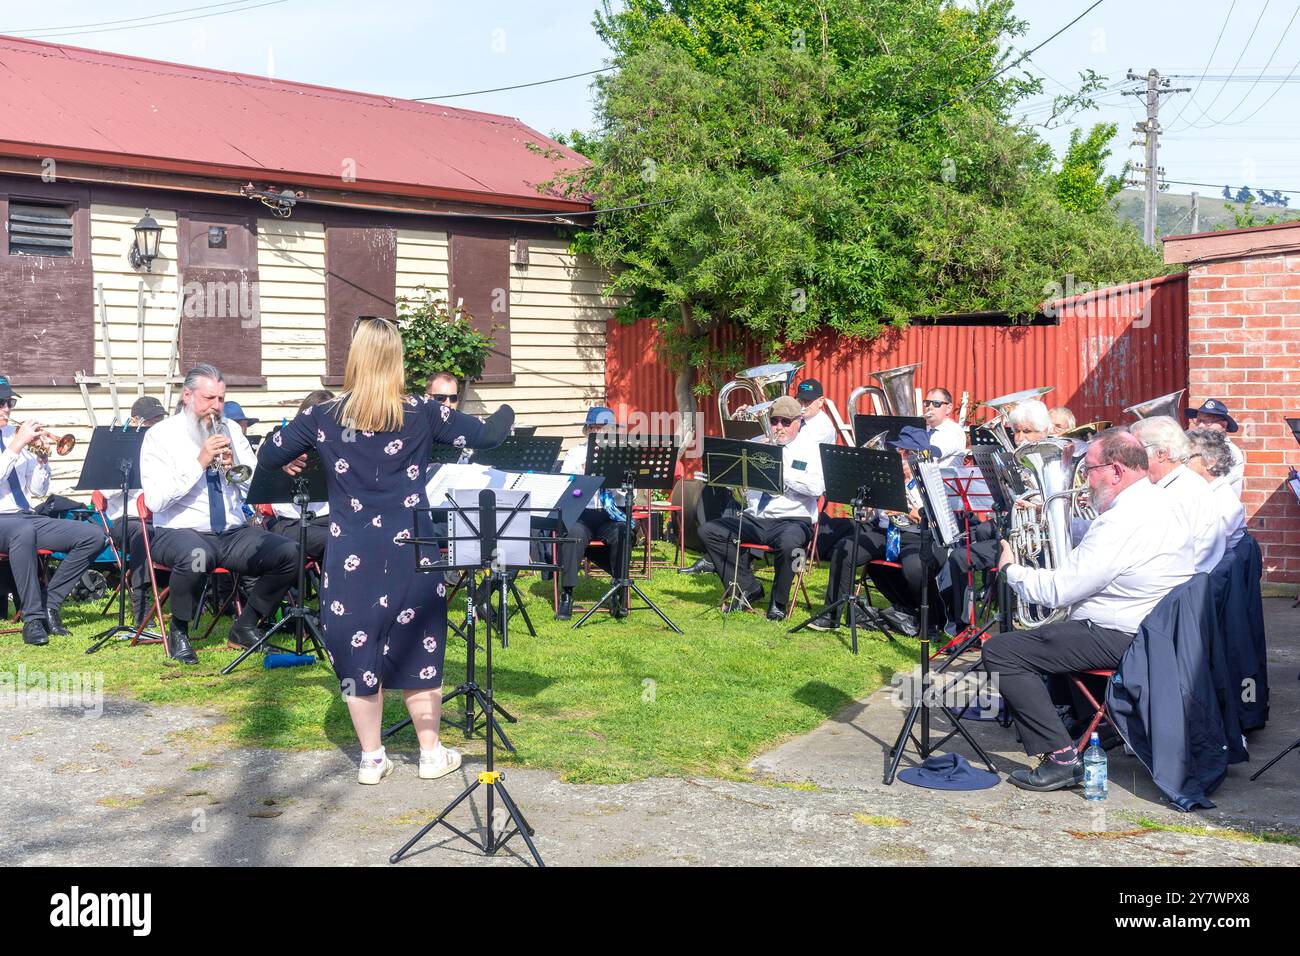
<point>803,569</point>
<point>1098,709</point>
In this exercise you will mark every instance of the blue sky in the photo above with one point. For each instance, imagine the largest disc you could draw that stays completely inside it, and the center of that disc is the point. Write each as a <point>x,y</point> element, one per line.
<point>419,48</point>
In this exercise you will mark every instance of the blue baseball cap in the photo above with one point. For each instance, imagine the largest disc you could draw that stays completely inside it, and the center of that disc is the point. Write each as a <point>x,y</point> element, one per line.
<point>809,391</point>
<point>7,390</point>
<point>234,413</point>
<point>1212,406</point>
<point>599,415</point>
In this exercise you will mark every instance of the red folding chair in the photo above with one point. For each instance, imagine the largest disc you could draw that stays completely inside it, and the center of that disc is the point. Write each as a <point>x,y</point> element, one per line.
<point>100,504</point>
<point>803,569</point>
<point>1098,708</point>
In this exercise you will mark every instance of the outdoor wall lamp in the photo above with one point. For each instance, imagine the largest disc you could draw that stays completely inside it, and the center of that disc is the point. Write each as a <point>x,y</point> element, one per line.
<point>145,248</point>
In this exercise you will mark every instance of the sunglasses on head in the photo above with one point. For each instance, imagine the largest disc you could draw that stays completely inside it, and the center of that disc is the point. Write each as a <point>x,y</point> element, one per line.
<point>446,399</point>
<point>783,422</point>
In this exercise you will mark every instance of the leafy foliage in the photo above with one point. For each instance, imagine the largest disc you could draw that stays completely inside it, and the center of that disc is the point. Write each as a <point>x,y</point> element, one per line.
<point>1082,184</point>
<point>439,339</point>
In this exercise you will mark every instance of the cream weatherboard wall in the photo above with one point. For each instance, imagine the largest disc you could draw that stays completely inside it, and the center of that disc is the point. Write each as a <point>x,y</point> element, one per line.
<point>557,334</point>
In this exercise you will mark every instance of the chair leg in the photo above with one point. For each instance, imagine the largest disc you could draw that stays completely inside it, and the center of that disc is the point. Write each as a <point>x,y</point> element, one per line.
<point>232,596</point>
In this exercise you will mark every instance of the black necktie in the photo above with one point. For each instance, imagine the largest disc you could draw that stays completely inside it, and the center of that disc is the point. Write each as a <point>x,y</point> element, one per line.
<point>216,503</point>
<point>16,487</point>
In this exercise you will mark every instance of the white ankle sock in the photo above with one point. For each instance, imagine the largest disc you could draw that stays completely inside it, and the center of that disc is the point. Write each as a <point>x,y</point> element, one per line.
<point>376,756</point>
<point>430,754</point>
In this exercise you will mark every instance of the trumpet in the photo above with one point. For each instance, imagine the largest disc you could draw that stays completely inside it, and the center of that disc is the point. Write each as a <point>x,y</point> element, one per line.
<point>40,445</point>
<point>224,463</point>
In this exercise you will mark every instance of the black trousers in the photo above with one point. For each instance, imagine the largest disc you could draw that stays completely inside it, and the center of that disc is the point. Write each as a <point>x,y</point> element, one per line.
<point>787,537</point>
<point>845,559</point>
<point>1017,662</point>
<point>318,533</point>
<point>23,533</point>
<point>985,550</point>
<point>592,524</point>
<point>245,550</point>
<point>901,588</point>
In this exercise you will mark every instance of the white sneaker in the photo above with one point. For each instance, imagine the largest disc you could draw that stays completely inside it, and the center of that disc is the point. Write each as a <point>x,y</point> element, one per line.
<point>439,763</point>
<point>371,772</point>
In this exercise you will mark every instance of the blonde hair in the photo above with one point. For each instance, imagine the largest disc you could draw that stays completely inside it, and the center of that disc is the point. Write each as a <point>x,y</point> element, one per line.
<point>374,382</point>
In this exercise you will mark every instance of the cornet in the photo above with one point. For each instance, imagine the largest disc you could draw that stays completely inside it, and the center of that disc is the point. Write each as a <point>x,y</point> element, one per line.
<point>224,463</point>
<point>40,445</point>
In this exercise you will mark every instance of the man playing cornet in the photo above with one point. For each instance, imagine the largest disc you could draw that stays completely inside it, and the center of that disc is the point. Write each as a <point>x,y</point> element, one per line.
<point>186,467</point>
<point>24,476</point>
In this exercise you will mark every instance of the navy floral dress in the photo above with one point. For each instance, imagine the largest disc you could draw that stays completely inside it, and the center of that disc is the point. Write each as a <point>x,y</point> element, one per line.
<point>384,622</point>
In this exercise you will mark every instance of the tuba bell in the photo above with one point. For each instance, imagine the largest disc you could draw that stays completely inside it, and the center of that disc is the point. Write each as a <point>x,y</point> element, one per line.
<point>1164,405</point>
<point>895,395</point>
<point>1004,405</point>
<point>765,384</point>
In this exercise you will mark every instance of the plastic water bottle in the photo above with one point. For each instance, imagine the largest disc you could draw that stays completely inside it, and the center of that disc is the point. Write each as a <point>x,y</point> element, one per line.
<point>1094,770</point>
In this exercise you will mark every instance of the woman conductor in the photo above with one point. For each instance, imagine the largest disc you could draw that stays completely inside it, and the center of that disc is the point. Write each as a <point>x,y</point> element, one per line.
<point>384,622</point>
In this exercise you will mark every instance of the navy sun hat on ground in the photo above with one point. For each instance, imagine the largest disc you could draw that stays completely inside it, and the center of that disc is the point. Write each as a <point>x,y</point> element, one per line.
<point>1212,406</point>
<point>911,438</point>
<point>948,772</point>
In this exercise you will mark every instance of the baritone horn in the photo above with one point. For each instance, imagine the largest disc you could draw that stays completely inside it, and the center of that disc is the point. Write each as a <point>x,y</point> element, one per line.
<point>224,463</point>
<point>766,383</point>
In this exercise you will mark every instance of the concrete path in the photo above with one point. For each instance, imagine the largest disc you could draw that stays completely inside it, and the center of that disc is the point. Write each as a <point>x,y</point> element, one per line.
<point>140,786</point>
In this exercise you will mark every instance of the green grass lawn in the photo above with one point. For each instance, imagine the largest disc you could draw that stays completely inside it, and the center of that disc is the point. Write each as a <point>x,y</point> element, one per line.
<point>612,701</point>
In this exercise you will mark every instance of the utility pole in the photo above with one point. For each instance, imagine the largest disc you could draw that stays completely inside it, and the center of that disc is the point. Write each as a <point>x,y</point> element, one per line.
<point>1150,128</point>
<point>1196,212</point>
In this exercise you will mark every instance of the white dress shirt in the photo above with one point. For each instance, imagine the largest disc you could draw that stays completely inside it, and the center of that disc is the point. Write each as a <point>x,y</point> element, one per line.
<point>804,483</point>
<point>176,485</point>
<point>1134,554</point>
<point>575,463</point>
<point>1238,473</point>
<point>290,511</point>
<point>33,477</point>
<point>950,439</point>
<point>1193,495</point>
<point>113,503</point>
<point>822,428</point>
<point>1232,513</point>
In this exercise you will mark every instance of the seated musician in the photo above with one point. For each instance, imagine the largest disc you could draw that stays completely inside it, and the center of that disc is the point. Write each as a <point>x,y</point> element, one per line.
<point>145,413</point>
<point>1214,414</point>
<point>1168,451</point>
<point>1029,421</point>
<point>1130,558</point>
<point>901,589</point>
<point>285,519</point>
<point>781,522</point>
<point>24,475</point>
<point>198,515</point>
<point>816,419</point>
<point>942,430</point>
<point>444,388</point>
<point>602,519</point>
<point>1212,460</point>
<point>1062,419</point>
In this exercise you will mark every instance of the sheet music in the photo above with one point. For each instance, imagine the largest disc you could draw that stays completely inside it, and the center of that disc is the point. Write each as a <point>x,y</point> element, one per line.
<point>543,490</point>
<point>464,546</point>
<point>937,495</point>
<point>455,477</point>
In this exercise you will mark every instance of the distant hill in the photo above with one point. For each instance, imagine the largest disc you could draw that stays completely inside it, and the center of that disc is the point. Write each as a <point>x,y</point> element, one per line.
<point>1174,212</point>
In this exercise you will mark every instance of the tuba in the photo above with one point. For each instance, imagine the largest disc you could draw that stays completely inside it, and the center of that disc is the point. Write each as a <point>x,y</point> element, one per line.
<point>1040,535</point>
<point>765,383</point>
<point>1164,405</point>
<point>895,395</point>
<point>1003,405</point>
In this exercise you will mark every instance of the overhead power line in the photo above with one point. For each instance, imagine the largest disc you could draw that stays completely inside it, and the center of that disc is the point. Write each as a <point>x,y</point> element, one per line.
<point>136,24</point>
<point>517,86</point>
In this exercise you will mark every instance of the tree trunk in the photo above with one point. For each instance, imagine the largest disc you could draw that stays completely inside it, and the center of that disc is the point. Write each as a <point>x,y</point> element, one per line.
<point>684,393</point>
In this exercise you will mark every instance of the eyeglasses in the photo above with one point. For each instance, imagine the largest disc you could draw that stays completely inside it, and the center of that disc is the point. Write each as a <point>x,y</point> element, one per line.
<point>446,399</point>
<point>1085,468</point>
<point>783,422</point>
<point>931,403</point>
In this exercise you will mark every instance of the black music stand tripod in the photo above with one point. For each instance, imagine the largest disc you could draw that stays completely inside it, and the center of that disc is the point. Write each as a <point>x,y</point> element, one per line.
<point>921,704</point>
<point>489,530</point>
<point>862,478</point>
<point>749,466</point>
<point>114,457</point>
<point>308,485</point>
<point>640,464</point>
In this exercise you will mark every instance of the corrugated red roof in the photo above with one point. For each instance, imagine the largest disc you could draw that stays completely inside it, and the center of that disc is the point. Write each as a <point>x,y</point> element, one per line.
<point>87,105</point>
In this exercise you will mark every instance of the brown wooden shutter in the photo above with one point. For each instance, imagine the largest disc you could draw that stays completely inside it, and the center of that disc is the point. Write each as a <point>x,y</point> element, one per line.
<point>361,279</point>
<point>47,313</point>
<point>480,280</point>
<point>222,319</point>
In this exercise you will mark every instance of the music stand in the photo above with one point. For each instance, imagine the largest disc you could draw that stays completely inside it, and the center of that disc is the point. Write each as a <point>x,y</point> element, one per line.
<point>522,453</point>
<point>487,525</point>
<point>445,454</point>
<point>934,501</point>
<point>646,462</point>
<point>272,486</point>
<point>113,460</point>
<point>867,426</point>
<point>980,435</point>
<point>863,478</point>
<point>749,466</point>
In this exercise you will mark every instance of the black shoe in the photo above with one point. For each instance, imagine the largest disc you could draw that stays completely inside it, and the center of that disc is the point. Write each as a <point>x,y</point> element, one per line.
<point>901,621</point>
<point>825,622</point>
<point>774,613</point>
<point>35,632</point>
<point>868,620</point>
<point>565,610</point>
<point>702,566</point>
<point>179,647</point>
<point>56,623</point>
<point>245,637</point>
<point>1049,775</point>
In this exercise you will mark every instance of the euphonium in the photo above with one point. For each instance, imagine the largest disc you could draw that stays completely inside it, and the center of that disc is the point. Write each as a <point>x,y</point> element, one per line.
<point>766,383</point>
<point>224,463</point>
<point>1164,405</point>
<point>1040,533</point>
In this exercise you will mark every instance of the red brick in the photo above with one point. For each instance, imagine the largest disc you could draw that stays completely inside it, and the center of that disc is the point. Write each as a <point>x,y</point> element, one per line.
<point>1248,308</point>
<point>1201,283</point>
<point>1282,280</point>
<point>1230,267</point>
<point>1259,295</point>
<point>1246,282</point>
<point>1224,322</point>
<point>1269,320</point>
<point>1264,265</point>
<point>1233,295</point>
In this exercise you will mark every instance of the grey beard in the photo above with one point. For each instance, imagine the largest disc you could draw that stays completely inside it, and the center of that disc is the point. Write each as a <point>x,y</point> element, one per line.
<point>193,427</point>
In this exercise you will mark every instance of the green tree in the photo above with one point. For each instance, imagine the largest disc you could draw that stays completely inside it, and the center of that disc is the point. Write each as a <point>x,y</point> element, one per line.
<point>1082,184</point>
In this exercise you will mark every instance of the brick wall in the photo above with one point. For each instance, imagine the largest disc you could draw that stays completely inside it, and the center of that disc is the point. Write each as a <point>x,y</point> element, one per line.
<point>1244,349</point>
